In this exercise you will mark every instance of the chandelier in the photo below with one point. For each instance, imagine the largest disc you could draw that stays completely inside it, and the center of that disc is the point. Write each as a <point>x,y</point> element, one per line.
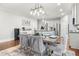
<point>38,10</point>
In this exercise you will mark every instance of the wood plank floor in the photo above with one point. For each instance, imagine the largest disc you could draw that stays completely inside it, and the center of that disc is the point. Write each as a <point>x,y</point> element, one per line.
<point>8,44</point>
<point>76,51</point>
<point>12,43</point>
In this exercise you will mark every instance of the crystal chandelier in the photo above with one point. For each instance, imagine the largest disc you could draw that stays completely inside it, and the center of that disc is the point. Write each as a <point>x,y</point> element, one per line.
<point>37,10</point>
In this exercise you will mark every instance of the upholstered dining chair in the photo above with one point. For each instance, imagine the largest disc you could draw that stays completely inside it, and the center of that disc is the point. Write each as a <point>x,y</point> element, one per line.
<point>38,46</point>
<point>57,47</point>
<point>24,41</point>
<point>33,44</point>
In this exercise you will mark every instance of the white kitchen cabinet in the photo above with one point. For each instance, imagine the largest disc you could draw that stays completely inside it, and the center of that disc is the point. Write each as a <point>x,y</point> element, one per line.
<point>74,40</point>
<point>77,14</point>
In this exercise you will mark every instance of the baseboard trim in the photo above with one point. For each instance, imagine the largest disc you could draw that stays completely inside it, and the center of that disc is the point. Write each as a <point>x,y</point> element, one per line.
<point>5,40</point>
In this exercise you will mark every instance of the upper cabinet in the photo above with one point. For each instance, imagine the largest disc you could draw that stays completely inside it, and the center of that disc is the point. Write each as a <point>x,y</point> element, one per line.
<point>75,14</point>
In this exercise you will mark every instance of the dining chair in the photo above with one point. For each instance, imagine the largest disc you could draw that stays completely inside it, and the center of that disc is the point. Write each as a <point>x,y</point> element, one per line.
<point>57,47</point>
<point>24,41</point>
<point>38,46</point>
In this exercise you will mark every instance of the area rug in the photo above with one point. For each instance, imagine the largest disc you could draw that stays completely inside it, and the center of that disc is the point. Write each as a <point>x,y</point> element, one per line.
<point>14,51</point>
<point>17,51</point>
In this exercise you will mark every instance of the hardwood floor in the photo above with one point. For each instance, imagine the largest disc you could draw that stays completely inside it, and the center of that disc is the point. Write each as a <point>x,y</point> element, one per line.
<point>12,43</point>
<point>8,44</point>
<point>76,51</point>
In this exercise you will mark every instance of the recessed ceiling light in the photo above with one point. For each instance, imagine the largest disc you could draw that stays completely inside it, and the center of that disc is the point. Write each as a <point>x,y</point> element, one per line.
<point>58,4</point>
<point>61,10</point>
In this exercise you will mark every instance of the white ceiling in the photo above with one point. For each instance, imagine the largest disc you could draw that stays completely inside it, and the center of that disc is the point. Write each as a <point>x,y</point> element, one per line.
<point>23,9</point>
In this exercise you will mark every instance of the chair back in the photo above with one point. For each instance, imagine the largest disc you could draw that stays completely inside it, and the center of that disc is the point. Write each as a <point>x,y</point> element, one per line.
<point>38,45</point>
<point>24,41</point>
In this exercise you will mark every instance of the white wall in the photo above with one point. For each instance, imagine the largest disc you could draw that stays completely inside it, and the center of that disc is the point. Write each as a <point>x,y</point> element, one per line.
<point>8,22</point>
<point>32,25</point>
<point>64,31</point>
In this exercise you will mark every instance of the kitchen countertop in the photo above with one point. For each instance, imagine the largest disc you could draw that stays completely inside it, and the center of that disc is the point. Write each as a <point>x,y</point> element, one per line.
<point>73,32</point>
